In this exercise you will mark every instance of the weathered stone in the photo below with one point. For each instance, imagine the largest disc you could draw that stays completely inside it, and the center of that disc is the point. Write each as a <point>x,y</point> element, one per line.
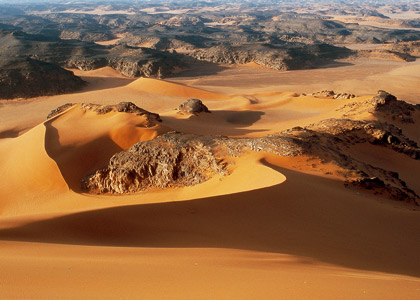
<point>59,110</point>
<point>193,106</point>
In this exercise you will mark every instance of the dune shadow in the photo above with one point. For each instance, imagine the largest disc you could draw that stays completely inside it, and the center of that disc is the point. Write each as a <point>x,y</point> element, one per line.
<point>198,69</point>
<point>244,118</point>
<point>218,122</point>
<point>11,133</point>
<point>104,83</point>
<point>306,215</point>
<point>333,64</point>
<point>76,162</point>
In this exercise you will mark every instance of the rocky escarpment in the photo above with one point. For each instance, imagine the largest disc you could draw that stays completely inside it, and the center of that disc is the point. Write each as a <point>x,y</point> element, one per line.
<point>130,61</point>
<point>388,105</point>
<point>27,78</point>
<point>385,105</point>
<point>192,106</point>
<point>386,55</point>
<point>278,58</point>
<point>128,107</point>
<point>176,159</point>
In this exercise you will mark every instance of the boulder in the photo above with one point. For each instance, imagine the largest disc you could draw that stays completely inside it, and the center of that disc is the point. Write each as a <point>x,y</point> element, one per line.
<point>193,106</point>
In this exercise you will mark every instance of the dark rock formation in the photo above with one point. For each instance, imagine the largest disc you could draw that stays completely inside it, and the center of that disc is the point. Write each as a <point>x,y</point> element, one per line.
<point>176,159</point>
<point>292,57</point>
<point>59,110</point>
<point>388,105</point>
<point>325,93</point>
<point>126,107</point>
<point>130,61</point>
<point>332,94</point>
<point>193,106</point>
<point>344,96</point>
<point>384,105</point>
<point>168,161</point>
<point>383,98</point>
<point>27,78</point>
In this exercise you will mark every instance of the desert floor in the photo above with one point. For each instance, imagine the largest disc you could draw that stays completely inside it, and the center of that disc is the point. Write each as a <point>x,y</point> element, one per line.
<point>276,228</point>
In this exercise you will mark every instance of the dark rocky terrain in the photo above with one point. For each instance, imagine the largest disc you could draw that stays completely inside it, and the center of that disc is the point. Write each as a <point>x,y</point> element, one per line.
<point>156,40</point>
<point>26,77</point>
<point>130,61</point>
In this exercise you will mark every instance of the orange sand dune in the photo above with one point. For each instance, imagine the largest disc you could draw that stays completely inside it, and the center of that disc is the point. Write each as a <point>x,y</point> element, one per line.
<point>57,154</point>
<point>101,72</point>
<point>287,240</point>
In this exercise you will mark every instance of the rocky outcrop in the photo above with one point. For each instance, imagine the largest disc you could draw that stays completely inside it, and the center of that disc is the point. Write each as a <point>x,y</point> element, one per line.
<point>26,77</point>
<point>328,138</point>
<point>176,159</point>
<point>192,106</point>
<point>344,96</point>
<point>130,61</point>
<point>278,58</point>
<point>333,95</point>
<point>386,55</point>
<point>384,105</point>
<point>170,160</point>
<point>59,110</point>
<point>127,107</point>
<point>388,105</point>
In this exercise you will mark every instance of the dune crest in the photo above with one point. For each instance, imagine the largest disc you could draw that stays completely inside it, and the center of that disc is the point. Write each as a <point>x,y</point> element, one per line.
<point>166,88</point>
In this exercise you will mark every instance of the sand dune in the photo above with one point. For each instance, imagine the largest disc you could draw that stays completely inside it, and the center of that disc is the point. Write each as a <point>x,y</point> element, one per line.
<point>339,240</point>
<point>160,87</point>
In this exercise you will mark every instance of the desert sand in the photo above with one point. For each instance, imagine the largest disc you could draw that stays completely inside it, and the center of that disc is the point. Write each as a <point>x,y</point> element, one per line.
<point>357,76</point>
<point>277,227</point>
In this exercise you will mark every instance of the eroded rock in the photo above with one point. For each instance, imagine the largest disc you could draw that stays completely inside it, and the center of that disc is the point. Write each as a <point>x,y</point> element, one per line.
<point>126,107</point>
<point>192,106</point>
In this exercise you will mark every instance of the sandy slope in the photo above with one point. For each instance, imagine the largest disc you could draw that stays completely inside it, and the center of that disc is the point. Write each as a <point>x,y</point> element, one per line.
<point>292,240</point>
<point>275,228</point>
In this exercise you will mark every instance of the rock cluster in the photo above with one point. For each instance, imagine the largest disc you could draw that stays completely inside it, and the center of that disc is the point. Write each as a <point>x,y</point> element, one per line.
<point>59,110</point>
<point>344,96</point>
<point>332,94</point>
<point>192,106</point>
<point>126,107</point>
<point>176,159</point>
<point>388,105</point>
<point>168,161</point>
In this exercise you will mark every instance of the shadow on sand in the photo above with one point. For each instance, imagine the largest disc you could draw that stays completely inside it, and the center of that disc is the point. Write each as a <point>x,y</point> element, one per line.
<point>218,122</point>
<point>306,215</point>
<point>76,162</point>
